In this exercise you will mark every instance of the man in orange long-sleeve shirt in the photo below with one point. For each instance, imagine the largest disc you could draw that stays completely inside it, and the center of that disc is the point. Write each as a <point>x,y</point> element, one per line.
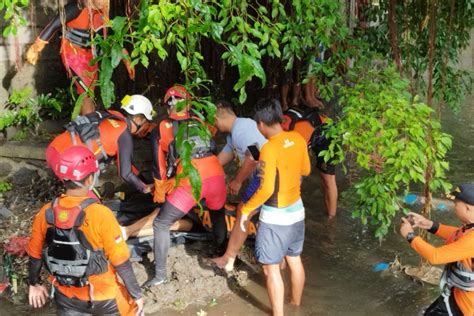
<point>457,282</point>
<point>283,160</point>
<point>80,243</point>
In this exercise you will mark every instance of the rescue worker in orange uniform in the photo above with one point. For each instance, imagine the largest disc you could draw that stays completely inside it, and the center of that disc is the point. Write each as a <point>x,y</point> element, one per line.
<point>457,281</point>
<point>311,125</point>
<point>178,201</point>
<point>283,161</point>
<point>80,243</point>
<point>83,19</point>
<point>110,135</point>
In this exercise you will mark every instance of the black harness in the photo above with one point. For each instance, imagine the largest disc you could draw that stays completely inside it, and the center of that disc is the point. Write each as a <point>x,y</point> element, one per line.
<point>68,255</point>
<point>201,147</point>
<point>87,128</point>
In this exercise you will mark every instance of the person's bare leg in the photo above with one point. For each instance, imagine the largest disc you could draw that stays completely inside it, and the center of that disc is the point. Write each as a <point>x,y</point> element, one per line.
<point>144,226</point>
<point>309,94</point>
<point>297,276</point>
<point>284,89</point>
<point>315,95</point>
<point>88,106</point>
<point>183,225</point>
<point>275,287</point>
<point>295,100</point>
<point>236,240</point>
<point>330,193</point>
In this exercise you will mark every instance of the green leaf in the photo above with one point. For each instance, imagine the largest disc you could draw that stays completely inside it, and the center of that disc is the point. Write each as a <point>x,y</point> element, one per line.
<point>217,30</point>
<point>183,61</point>
<point>78,105</point>
<point>116,55</point>
<point>242,95</point>
<point>118,23</point>
<point>107,87</point>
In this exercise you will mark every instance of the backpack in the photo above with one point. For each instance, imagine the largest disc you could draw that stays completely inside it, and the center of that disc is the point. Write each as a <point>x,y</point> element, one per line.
<point>317,120</point>
<point>87,128</point>
<point>201,147</point>
<point>68,255</point>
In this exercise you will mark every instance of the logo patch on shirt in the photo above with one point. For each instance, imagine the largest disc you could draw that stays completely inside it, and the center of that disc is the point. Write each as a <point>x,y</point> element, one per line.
<point>63,216</point>
<point>118,239</point>
<point>113,123</point>
<point>288,143</point>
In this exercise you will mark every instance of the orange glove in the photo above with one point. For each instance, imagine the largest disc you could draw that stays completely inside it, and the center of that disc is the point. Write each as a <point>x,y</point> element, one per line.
<point>34,50</point>
<point>162,187</point>
<point>145,129</point>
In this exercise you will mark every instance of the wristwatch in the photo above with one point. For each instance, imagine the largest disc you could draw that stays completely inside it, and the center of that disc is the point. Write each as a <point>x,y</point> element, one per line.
<point>410,236</point>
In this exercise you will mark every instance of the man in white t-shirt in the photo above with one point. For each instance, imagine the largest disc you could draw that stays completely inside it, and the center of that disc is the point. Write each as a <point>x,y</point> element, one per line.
<point>243,132</point>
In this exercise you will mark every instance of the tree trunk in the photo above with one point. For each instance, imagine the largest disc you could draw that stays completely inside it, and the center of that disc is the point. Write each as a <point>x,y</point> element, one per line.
<point>429,99</point>
<point>392,29</point>
<point>446,54</point>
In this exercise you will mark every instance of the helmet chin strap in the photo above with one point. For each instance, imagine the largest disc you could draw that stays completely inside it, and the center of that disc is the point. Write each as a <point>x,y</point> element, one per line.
<point>137,126</point>
<point>92,185</point>
<point>94,180</point>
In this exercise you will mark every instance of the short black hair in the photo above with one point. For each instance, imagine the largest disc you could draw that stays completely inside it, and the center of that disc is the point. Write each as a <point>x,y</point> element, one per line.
<point>224,105</point>
<point>268,111</point>
<point>71,185</point>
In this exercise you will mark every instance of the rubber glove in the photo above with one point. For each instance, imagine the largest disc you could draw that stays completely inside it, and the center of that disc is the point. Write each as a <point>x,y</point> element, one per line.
<point>34,50</point>
<point>162,187</point>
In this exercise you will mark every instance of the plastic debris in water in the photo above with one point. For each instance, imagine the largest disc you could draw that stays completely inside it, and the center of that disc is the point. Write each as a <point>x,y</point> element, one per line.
<point>3,287</point>
<point>16,245</point>
<point>410,199</point>
<point>441,207</point>
<point>381,266</point>
<point>201,313</point>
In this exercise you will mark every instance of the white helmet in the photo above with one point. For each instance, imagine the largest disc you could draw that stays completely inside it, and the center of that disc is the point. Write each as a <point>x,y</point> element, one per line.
<point>138,104</point>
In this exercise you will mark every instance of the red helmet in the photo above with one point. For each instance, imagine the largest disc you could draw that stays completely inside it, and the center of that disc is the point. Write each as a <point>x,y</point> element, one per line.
<point>74,164</point>
<point>172,96</point>
<point>178,92</point>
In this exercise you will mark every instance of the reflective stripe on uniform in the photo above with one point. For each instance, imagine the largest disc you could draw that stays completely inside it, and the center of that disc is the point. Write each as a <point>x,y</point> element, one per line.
<point>283,216</point>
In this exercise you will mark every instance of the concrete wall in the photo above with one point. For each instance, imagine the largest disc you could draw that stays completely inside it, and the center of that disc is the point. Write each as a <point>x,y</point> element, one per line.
<point>49,72</point>
<point>466,59</point>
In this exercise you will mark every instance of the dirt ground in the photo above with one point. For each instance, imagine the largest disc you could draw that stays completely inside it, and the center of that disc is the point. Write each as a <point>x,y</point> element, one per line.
<point>191,280</point>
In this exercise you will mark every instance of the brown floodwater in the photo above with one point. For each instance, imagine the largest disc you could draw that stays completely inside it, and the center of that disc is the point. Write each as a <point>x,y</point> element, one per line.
<point>339,257</point>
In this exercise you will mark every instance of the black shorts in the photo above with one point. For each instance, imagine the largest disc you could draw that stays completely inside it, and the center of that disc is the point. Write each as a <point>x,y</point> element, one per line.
<point>323,166</point>
<point>439,308</point>
<point>73,307</point>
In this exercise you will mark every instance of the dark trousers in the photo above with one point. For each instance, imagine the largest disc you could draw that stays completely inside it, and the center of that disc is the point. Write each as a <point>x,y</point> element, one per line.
<point>439,308</point>
<point>168,215</point>
<point>73,307</point>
